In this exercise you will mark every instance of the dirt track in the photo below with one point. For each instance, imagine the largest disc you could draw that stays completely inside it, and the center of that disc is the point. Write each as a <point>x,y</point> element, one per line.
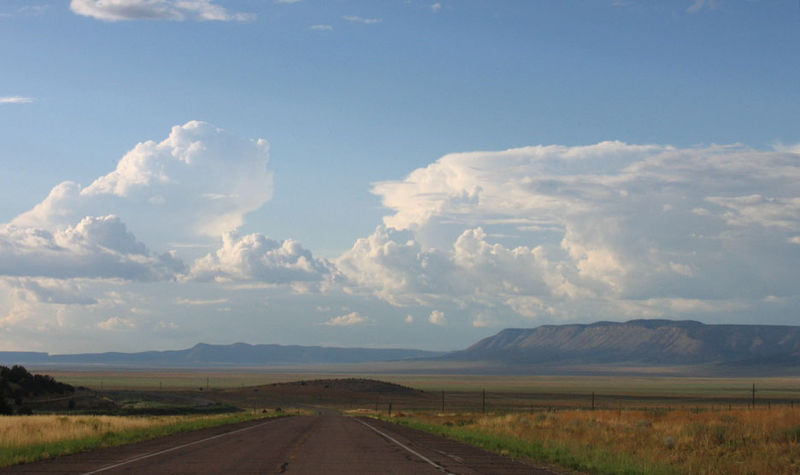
<point>323,444</point>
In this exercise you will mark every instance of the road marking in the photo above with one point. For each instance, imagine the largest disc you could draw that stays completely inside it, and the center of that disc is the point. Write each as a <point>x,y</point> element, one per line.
<point>439,467</point>
<point>146,456</point>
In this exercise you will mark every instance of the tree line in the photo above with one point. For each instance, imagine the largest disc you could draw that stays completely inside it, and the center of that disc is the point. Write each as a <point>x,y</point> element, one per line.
<point>18,384</point>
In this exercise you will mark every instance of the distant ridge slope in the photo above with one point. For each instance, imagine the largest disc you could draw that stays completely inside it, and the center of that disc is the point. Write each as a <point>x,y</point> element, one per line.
<point>237,354</point>
<point>662,342</point>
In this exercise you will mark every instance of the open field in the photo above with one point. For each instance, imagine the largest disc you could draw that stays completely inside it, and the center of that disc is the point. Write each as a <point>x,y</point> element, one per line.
<point>738,441</point>
<point>464,391</point>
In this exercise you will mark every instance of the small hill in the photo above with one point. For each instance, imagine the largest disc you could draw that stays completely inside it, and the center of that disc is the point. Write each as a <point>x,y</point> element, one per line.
<point>355,385</point>
<point>649,342</point>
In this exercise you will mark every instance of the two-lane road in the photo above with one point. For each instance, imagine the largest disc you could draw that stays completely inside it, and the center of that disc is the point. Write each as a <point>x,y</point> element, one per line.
<point>324,444</point>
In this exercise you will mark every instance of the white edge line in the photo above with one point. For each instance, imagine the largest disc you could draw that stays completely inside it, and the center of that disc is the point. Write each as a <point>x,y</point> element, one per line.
<point>407,448</point>
<point>142,457</point>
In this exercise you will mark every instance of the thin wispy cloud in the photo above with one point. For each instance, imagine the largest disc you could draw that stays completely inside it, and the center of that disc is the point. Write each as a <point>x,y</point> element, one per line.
<point>201,301</point>
<point>321,27</point>
<point>698,5</point>
<point>365,21</point>
<point>173,10</point>
<point>15,100</point>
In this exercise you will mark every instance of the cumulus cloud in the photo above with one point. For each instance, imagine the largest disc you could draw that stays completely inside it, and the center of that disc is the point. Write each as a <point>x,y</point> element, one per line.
<point>255,257</point>
<point>556,230</point>
<point>437,318</point>
<point>117,324</point>
<point>95,248</point>
<point>175,10</point>
<point>198,182</point>
<point>49,291</point>
<point>352,318</point>
<point>403,273</point>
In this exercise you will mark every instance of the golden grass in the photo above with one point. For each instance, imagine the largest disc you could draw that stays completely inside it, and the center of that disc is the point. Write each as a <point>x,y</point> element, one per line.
<point>738,441</point>
<point>22,431</point>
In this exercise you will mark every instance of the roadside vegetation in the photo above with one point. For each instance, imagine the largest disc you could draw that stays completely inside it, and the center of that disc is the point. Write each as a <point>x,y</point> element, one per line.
<point>30,438</point>
<point>736,441</point>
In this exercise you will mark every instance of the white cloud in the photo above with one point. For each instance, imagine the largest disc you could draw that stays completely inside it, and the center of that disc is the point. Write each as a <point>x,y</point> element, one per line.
<point>554,231</point>
<point>321,27</point>
<point>49,291</point>
<point>698,5</point>
<point>95,248</point>
<point>409,319</point>
<point>352,318</point>
<point>15,100</point>
<point>198,182</point>
<point>484,320</point>
<point>437,318</point>
<point>257,258</point>
<point>436,7</point>
<point>358,19</point>
<point>117,324</point>
<point>175,10</point>
<point>195,302</point>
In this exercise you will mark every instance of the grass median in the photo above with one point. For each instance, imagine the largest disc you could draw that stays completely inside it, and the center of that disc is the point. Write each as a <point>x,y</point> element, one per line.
<point>25,439</point>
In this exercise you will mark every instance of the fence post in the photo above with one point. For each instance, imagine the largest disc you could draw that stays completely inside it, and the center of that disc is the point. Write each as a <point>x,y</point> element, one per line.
<point>483,403</point>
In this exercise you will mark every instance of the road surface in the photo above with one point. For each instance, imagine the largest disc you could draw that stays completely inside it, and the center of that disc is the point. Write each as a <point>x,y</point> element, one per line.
<point>323,444</point>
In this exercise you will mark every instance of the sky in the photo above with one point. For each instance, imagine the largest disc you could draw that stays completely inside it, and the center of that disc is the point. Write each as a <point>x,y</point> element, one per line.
<point>398,173</point>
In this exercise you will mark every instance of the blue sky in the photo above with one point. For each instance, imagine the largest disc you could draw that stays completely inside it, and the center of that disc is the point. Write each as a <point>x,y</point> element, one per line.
<point>398,196</point>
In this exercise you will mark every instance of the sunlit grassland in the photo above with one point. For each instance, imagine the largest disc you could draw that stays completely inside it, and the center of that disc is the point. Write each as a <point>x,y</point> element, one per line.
<point>30,438</point>
<point>785,388</point>
<point>738,441</point>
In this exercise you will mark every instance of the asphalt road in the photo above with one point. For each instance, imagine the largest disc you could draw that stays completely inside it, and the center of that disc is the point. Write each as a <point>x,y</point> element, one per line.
<point>323,444</point>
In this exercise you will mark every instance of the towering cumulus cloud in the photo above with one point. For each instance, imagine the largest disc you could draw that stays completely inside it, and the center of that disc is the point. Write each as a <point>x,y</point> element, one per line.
<point>194,186</point>
<point>607,230</point>
<point>199,181</point>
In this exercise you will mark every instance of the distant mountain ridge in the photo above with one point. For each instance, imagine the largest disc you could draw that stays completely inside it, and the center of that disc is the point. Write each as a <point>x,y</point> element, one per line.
<point>237,354</point>
<point>653,342</point>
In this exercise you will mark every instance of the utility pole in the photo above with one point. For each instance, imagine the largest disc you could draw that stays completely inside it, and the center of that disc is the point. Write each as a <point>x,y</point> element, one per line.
<point>442,400</point>
<point>754,395</point>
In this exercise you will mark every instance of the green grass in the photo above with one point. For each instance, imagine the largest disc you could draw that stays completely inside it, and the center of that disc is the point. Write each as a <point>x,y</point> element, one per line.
<point>591,461</point>
<point>42,451</point>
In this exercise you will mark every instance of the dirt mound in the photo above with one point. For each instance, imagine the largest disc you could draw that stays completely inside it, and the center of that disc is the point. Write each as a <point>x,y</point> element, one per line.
<point>356,385</point>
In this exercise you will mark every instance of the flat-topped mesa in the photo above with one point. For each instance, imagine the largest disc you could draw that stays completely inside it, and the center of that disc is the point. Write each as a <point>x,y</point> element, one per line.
<point>640,341</point>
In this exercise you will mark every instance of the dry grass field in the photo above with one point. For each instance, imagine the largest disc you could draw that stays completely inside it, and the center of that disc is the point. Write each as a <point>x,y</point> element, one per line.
<point>20,431</point>
<point>738,441</point>
<point>36,437</point>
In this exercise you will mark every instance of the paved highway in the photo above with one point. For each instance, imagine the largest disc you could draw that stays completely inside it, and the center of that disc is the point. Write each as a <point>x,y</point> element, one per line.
<point>324,444</point>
